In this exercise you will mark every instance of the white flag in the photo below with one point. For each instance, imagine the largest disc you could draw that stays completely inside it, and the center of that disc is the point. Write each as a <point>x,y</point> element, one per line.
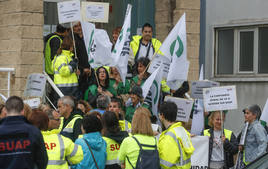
<point>151,89</point>
<point>148,83</point>
<point>264,114</point>
<point>175,49</point>
<point>97,44</point>
<point>120,54</point>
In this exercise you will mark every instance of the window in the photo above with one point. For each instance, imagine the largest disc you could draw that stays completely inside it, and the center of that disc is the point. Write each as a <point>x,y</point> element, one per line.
<point>241,51</point>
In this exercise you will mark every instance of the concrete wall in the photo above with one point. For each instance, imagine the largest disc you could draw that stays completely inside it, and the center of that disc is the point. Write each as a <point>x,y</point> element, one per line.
<point>21,43</point>
<point>232,13</point>
<point>168,12</point>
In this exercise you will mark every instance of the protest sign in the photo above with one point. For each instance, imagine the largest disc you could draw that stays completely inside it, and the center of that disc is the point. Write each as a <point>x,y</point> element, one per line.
<point>199,159</point>
<point>184,107</point>
<point>156,62</point>
<point>198,118</point>
<point>198,86</point>
<point>95,12</point>
<point>220,98</point>
<point>69,11</point>
<point>35,85</point>
<point>33,103</point>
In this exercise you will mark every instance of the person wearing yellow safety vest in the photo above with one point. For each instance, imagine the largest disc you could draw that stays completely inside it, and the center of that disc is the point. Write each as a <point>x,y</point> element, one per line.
<point>53,42</point>
<point>115,106</point>
<point>93,145</point>
<point>64,67</point>
<point>142,132</point>
<point>61,151</point>
<point>145,45</point>
<point>222,145</point>
<point>174,145</point>
<point>71,118</point>
<point>256,137</point>
<point>113,136</point>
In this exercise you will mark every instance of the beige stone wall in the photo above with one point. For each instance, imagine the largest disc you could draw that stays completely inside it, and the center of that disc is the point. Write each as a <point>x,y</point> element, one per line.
<point>21,43</point>
<point>168,12</point>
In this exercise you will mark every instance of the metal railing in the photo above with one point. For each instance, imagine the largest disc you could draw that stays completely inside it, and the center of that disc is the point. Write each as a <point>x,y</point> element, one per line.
<point>9,71</point>
<point>54,87</point>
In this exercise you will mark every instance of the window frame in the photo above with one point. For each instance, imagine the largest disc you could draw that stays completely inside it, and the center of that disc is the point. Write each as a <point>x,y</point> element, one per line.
<point>238,75</point>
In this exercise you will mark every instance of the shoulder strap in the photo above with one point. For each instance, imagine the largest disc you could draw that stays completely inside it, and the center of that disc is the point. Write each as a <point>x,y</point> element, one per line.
<point>91,153</point>
<point>144,145</point>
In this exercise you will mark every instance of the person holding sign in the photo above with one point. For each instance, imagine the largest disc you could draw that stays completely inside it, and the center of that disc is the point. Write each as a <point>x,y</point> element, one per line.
<point>223,144</point>
<point>174,145</point>
<point>256,136</point>
<point>64,67</point>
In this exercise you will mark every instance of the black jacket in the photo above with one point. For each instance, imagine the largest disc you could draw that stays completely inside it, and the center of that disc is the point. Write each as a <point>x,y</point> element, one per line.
<point>77,125</point>
<point>230,149</point>
<point>21,145</point>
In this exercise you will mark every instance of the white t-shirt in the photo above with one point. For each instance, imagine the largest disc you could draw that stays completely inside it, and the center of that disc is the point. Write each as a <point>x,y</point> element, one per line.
<point>144,49</point>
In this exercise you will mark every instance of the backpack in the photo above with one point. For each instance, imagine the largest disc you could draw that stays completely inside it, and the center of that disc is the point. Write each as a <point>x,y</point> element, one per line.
<point>148,159</point>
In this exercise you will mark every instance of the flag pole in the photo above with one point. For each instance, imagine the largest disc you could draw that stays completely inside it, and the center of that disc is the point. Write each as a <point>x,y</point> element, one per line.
<point>73,39</point>
<point>97,78</point>
<point>150,61</point>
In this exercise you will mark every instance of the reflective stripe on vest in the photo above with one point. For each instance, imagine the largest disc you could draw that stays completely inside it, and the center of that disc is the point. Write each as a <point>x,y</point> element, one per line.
<point>74,151</point>
<point>126,125</point>
<point>70,125</point>
<point>62,148</point>
<point>181,162</point>
<point>67,85</point>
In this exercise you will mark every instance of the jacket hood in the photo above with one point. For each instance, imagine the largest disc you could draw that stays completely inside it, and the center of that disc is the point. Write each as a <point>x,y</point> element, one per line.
<point>94,140</point>
<point>118,137</point>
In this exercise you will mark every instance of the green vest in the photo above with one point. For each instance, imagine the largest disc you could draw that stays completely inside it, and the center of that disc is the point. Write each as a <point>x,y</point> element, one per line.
<point>48,61</point>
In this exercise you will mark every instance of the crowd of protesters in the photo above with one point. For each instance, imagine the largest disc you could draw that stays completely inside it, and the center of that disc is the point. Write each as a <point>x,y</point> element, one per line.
<point>103,123</point>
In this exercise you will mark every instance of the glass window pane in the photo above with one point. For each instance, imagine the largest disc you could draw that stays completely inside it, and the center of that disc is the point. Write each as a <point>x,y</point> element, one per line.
<point>263,50</point>
<point>246,51</point>
<point>225,58</point>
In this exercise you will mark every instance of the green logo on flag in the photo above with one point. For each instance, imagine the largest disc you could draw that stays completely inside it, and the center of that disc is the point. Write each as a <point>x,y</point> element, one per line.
<point>120,35</point>
<point>172,47</point>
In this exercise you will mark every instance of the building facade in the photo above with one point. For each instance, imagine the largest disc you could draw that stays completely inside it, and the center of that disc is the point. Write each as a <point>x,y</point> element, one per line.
<point>235,53</point>
<point>22,30</point>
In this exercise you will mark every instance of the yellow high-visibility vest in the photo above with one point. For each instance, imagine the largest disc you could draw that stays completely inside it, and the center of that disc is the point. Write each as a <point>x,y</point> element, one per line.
<point>60,149</point>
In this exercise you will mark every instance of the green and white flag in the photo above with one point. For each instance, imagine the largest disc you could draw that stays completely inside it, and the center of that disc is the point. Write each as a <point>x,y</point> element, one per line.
<point>151,89</point>
<point>120,53</point>
<point>175,49</point>
<point>97,44</point>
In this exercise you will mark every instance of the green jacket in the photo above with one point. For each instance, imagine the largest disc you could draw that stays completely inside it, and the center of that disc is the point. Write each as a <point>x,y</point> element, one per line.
<point>93,90</point>
<point>130,110</point>
<point>120,88</point>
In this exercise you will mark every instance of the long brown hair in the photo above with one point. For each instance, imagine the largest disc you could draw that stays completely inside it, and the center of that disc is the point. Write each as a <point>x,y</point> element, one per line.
<point>67,43</point>
<point>141,123</point>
